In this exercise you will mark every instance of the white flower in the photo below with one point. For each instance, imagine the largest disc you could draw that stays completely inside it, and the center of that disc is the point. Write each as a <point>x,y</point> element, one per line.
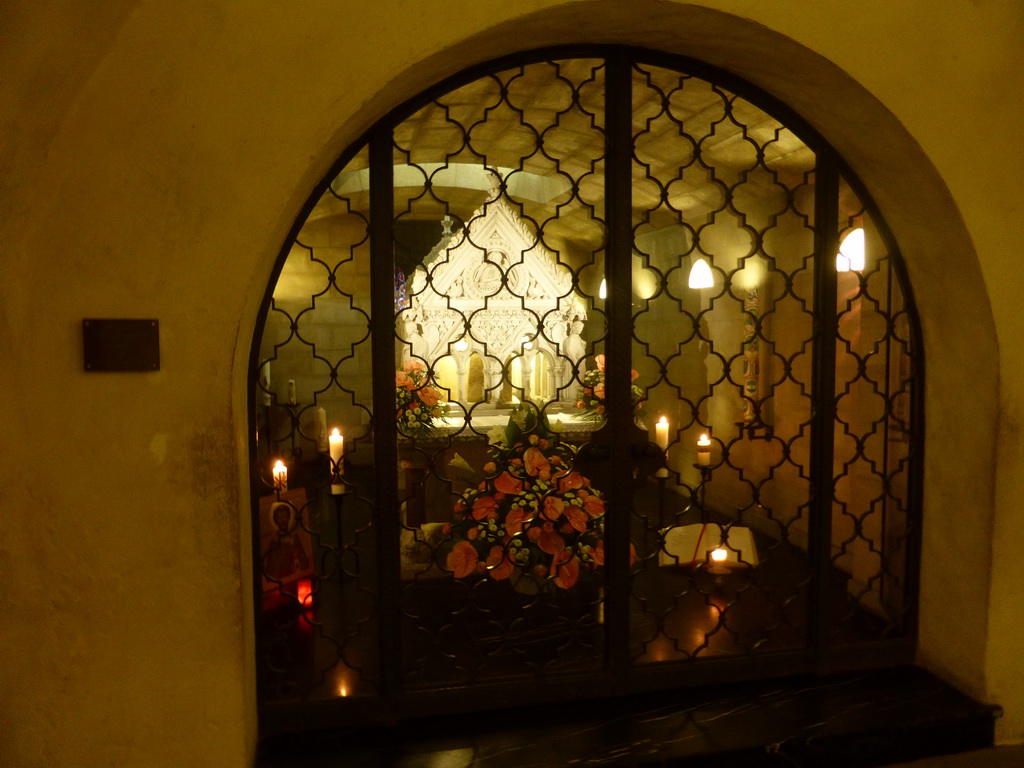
<point>496,436</point>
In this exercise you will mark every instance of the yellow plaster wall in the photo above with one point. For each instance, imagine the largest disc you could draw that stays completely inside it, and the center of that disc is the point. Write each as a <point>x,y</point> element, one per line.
<point>152,158</point>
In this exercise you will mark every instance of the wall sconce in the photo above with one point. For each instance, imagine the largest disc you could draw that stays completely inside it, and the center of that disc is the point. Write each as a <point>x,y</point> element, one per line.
<point>851,252</point>
<point>602,292</point>
<point>700,274</point>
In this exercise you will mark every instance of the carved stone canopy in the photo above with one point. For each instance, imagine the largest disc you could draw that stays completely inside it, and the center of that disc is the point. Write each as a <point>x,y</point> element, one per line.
<point>495,287</point>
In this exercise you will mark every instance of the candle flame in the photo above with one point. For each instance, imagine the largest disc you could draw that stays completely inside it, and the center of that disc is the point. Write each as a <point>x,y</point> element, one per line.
<point>663,421</point>
<point>719,555</point>
<point>704,440</point>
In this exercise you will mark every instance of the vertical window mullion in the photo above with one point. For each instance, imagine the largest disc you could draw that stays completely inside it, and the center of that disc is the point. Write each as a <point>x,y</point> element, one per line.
<point>385,434</point>
<point>619,213</point>
<point>826,234</point>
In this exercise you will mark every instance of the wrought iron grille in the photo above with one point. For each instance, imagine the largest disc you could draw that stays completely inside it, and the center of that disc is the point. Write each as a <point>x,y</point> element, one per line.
<point>564,465</point>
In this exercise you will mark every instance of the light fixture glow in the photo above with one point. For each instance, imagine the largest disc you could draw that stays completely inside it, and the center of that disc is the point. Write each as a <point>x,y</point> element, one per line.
<point>461,345</point>
<point>700,274</point>
<point>719,555</point>
<point>602,292</point>
<point>851,252</point>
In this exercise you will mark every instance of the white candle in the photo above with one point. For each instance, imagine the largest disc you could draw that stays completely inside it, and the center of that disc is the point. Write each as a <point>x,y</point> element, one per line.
<point>320,429</point>
<point>280,477</point>
<point>291,392</point>
<point>704,451</point>
<point>337,443</point>
<point>661,433</point>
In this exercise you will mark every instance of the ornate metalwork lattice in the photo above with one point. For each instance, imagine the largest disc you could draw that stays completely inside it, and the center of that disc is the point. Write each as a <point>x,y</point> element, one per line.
<point>654,402</point>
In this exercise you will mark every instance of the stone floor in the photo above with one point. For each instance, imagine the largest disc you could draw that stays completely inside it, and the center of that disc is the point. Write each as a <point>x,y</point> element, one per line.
<point>851,720</point>
<point>994,757</point>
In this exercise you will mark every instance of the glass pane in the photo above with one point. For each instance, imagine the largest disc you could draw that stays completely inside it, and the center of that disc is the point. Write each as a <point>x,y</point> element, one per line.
<point>874,369</point>
<point>316,531</point>
<point>720,529</point>
<point>499,244</point>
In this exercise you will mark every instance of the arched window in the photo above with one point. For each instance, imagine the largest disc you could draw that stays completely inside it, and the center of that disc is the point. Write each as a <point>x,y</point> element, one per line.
<point>626,382</point>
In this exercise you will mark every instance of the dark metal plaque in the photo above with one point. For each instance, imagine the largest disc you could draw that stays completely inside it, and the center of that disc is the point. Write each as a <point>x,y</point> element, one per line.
<point>121,345</point>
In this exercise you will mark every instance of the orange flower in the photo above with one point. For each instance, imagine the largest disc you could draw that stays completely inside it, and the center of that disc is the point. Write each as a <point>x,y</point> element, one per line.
<point>499,567</point>
<point>429,396</point>
<point>485,508</point>
<point>534,460</point>
<point>534,533</point>
<point>462,560</point>
<point>599,391</point>
<point>413,364</point>
<point>404,380</point>
<point>598,553</point>
<point>514,521</point>
<point>599,359</point>
<point>506,483</point>
<point>566,568</point>
<point>553,508</point>
<point>570,482</point>
<point>633,375</point>
<point>594,505</point>
<point>550,542</point>
<point>577,517</point>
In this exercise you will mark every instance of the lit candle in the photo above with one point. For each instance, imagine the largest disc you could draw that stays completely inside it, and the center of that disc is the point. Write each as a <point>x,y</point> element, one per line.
<point>280,477</point>
<point>704,451</point>
<point>718,558</point>
<point>661,433</point>
<point>304,592</point>
<point>337,444</point>
<point>320,429</point>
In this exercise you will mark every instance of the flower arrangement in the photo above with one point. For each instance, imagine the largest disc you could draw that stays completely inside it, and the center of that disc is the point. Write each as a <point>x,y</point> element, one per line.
<point>416,399</point>
<point>591,400</point>
<point>532,515</point>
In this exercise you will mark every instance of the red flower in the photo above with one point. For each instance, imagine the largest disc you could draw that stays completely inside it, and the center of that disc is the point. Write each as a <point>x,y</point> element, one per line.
<point>570,482</point>
<point>535,461</point>
<point>593,504</point>
<point>506,483</point>
<point>499,567</point>
<point>598,553</point>
<point>534,533</point>
<point>550,542</point>
<point>553,508</point>
<point>577,518</point>
<point>566,568</point>
<point>485,508</point>
<point>514,521</point>
<point>462,560</point>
